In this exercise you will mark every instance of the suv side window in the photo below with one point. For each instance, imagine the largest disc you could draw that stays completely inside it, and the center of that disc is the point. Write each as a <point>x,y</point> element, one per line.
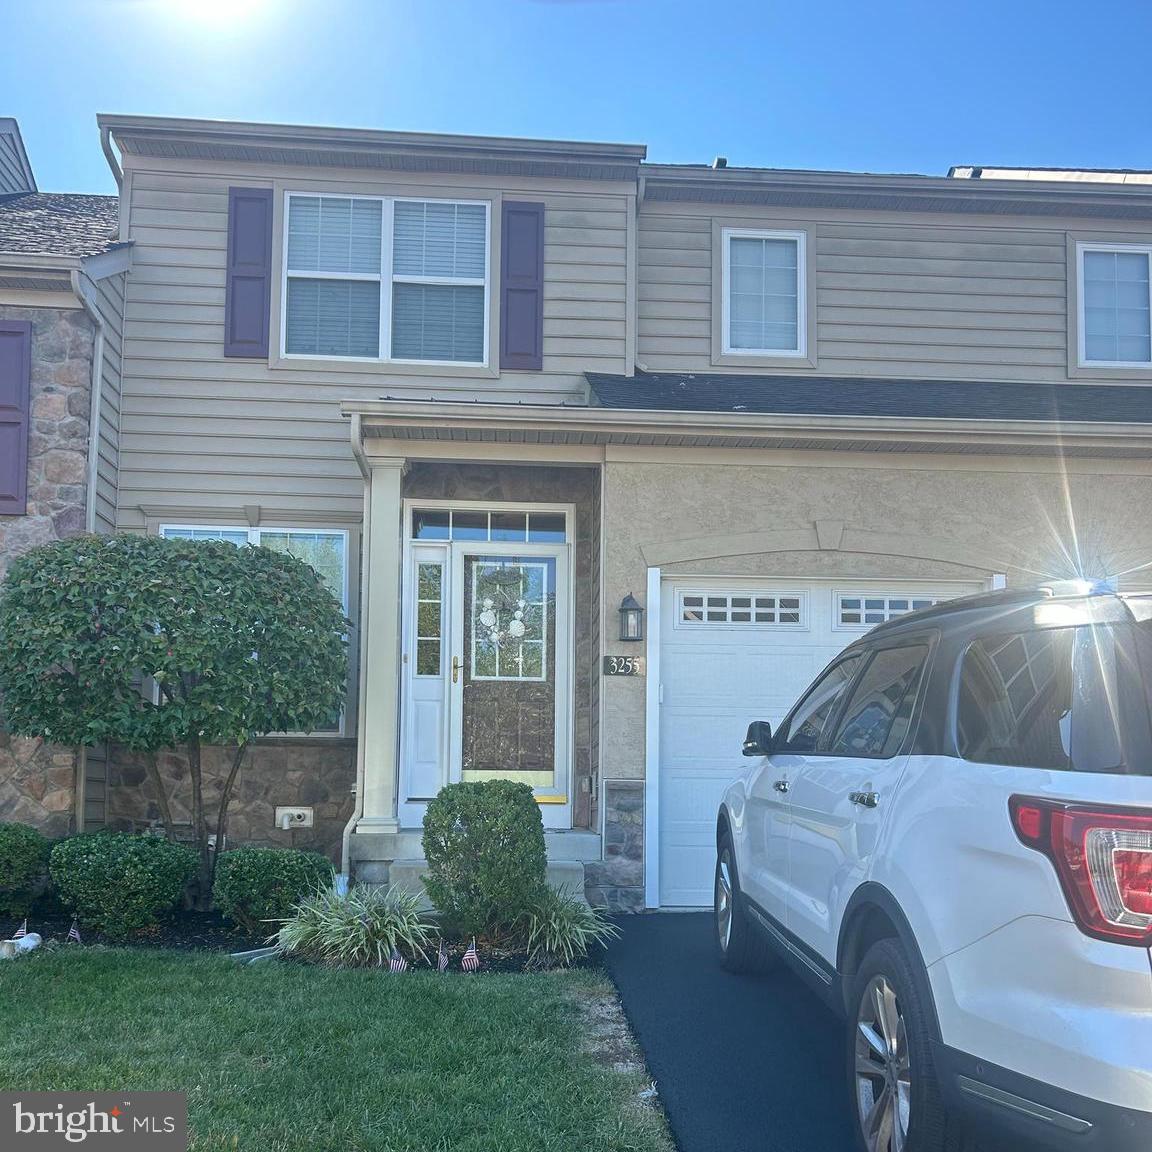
<point>879,711</point>
<point>802,730</point>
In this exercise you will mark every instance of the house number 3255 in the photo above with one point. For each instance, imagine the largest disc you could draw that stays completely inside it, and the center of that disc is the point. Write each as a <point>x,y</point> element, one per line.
<point>623,665</point>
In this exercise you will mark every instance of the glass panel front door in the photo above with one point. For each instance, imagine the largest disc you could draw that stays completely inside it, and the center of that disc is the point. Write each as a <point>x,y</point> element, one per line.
<point>509,670</point>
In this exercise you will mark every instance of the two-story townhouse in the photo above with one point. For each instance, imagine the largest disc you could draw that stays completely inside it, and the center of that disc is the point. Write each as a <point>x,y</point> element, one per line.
<point>61,296</point>
<point>608,458</point>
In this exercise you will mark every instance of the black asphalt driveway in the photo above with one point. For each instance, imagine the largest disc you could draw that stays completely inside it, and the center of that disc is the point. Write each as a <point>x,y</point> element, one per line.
<point>742,1064</point>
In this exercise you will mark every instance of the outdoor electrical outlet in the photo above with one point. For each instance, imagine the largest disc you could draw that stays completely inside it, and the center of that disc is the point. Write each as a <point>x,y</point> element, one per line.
<point>289,818</point>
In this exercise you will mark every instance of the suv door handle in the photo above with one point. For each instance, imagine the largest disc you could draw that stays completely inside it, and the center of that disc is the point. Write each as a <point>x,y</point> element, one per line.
<point>865,799</point>
<point>781,785</point>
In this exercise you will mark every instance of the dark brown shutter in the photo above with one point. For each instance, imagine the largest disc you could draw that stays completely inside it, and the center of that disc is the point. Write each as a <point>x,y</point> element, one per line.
<point>522,286</point>
<point>248,290</point>
<point>15,400</point>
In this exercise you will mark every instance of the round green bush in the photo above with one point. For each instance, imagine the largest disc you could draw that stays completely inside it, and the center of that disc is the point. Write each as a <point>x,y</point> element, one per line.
<point>255,884</point>
<point>119,883</point>
<point>23,867</point>
<point>487,864</point>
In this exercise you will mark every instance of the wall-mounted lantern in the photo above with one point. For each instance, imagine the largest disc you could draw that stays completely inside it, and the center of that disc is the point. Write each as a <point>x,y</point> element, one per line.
<point>631,619</point>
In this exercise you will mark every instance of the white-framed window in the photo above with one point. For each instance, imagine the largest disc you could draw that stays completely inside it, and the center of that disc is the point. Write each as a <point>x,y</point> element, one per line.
<point>697,608</point>
<point>764,293</point>
<point>385,279</point>
<point>325,549</point>
<point>1114,288</point>
<point>863,610</point>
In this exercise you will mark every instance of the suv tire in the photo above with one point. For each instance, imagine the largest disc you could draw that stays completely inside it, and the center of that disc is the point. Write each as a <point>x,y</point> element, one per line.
<point>891,1076</point>
<point>740,947</point>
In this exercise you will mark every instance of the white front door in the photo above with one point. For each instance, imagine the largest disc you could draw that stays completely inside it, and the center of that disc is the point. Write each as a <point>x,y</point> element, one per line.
<point>487,672</point>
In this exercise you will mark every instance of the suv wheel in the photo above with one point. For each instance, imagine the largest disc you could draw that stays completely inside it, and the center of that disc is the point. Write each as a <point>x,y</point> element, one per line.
<point>896,1099</point>
<point>739,946</point>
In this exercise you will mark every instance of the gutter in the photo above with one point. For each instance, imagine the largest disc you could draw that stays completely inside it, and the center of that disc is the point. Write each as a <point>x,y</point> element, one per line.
<point>81,286</point>
<point>110,156</point>
<point>361,695</point>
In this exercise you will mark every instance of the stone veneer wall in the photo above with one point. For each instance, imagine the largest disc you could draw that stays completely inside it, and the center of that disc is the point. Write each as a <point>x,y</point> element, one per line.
<point>38,781</point>
<point>617,881</point>
<point>319,773</point>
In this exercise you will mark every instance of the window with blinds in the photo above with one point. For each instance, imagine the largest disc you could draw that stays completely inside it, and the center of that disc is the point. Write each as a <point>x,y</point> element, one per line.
<point>1116,306</point>
<point>383,279</point>
<point>763,293</point>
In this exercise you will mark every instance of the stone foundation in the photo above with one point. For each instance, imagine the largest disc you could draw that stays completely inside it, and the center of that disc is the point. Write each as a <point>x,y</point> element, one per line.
<point>37,781</point>
<point>319,774</point>
<point>617,881</point>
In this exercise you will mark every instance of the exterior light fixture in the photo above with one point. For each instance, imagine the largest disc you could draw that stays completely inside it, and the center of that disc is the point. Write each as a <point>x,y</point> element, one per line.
<point>631,619</point>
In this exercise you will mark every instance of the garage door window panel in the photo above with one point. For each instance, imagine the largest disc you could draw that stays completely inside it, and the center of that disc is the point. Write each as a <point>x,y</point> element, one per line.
<point>879,711</point>
<point>861,610</point>
<point>802,732</point>
<point>742,609</point>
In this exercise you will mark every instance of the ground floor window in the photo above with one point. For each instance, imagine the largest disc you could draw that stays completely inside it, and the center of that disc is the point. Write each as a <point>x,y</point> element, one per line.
<point>324,549</point>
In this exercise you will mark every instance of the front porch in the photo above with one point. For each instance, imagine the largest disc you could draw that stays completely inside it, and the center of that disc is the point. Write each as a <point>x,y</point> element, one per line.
<point>481,627</point>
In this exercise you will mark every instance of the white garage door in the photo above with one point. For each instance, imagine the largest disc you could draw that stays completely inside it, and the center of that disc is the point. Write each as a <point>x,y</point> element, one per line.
<point>733,651</point>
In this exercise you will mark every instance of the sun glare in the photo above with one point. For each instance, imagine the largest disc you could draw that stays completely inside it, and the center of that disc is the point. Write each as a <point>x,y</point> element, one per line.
<point>215,13</point>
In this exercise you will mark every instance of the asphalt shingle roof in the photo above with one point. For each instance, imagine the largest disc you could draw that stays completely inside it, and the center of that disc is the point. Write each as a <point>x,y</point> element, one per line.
<point>843,396</point>
<point>58,223</point>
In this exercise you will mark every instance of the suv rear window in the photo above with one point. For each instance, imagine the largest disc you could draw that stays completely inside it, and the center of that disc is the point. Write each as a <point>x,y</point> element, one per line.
<point>1066,699</point>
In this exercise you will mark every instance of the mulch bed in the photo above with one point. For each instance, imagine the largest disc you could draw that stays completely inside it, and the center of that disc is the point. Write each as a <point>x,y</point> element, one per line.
<point>210,932</point>
<point>183,931</point>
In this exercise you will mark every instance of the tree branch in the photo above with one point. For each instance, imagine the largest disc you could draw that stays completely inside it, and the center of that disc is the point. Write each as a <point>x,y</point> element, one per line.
<point>161,796</point>
<point>225,797</point>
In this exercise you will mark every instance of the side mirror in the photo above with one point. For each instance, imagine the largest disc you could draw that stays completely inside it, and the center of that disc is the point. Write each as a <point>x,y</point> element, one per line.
<point>758,742</point>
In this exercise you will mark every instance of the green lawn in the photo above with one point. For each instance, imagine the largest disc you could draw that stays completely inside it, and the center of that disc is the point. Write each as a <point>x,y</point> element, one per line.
<point>282,1057</point>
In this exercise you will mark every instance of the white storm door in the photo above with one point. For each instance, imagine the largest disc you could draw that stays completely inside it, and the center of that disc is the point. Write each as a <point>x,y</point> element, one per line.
<point>509,670</point>
<point>424,760</point>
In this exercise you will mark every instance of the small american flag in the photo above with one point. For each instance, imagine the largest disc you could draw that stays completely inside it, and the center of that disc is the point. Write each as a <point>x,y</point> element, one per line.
<point>442,957</point>
<point>21,931</point>
<point>471,959</point>
<point>74,933</point>
<point>397,963</point>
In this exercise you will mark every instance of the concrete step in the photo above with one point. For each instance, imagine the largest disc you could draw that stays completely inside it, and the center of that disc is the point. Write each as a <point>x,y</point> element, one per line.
<point>406,875</point>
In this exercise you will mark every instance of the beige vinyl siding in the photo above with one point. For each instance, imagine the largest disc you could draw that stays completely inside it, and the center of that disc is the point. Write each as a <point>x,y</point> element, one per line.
<point>950,298</point>
<point>12,176</point>
<point>108,298</point>
<point>211,435</point>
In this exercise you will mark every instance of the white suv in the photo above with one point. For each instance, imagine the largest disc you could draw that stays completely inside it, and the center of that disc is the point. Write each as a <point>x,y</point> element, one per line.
<point>950,838</point>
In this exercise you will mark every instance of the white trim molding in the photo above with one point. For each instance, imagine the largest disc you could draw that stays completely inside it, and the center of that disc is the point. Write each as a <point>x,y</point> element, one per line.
<point>653,694</point>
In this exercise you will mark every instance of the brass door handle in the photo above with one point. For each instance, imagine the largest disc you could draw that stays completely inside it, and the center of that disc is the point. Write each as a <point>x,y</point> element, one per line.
<point>455,669</point>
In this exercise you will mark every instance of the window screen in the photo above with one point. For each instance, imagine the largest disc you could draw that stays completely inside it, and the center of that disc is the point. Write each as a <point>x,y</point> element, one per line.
<point>877,716</point>
<point>803,729</point>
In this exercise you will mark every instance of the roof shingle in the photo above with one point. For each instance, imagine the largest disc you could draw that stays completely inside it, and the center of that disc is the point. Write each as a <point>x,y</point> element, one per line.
<point>844,396</point>
<point>58,223</point>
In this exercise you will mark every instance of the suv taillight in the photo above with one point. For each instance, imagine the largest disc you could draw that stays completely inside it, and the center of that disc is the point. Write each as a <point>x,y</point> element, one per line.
<point>1103,857</point>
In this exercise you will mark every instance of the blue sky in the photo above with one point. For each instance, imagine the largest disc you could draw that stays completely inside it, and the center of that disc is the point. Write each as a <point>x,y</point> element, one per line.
<point>881,86</point>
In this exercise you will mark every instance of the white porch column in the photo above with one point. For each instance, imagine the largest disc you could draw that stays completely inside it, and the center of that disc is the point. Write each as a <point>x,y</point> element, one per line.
<point>380,648</point>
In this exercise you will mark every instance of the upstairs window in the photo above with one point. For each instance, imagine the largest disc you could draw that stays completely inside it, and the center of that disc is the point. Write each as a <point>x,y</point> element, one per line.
<point>1115,289</point>
<point>764,310</point>
<point>368,278</point>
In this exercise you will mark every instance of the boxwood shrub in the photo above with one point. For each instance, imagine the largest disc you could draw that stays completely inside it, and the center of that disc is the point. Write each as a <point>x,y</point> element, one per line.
<point>119,883</point>
<point>487,864</point>
<point>258,884</point>
<point>23,867</point>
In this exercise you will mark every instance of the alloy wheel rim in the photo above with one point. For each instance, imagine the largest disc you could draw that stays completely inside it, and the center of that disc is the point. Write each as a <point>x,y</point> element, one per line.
<point>883,1069</point>
<point>724,901</point>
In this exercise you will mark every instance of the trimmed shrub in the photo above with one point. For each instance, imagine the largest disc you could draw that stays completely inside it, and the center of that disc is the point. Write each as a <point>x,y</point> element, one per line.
<point>119,883</point>
<point>255,884</point>
<point>23,867</point>
<point>484,843</point>
<point>561,927</point>
<point>357,930</point>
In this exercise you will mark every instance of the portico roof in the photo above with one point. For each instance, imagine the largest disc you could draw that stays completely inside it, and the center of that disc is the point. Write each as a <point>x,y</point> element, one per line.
<point>397,426</point>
